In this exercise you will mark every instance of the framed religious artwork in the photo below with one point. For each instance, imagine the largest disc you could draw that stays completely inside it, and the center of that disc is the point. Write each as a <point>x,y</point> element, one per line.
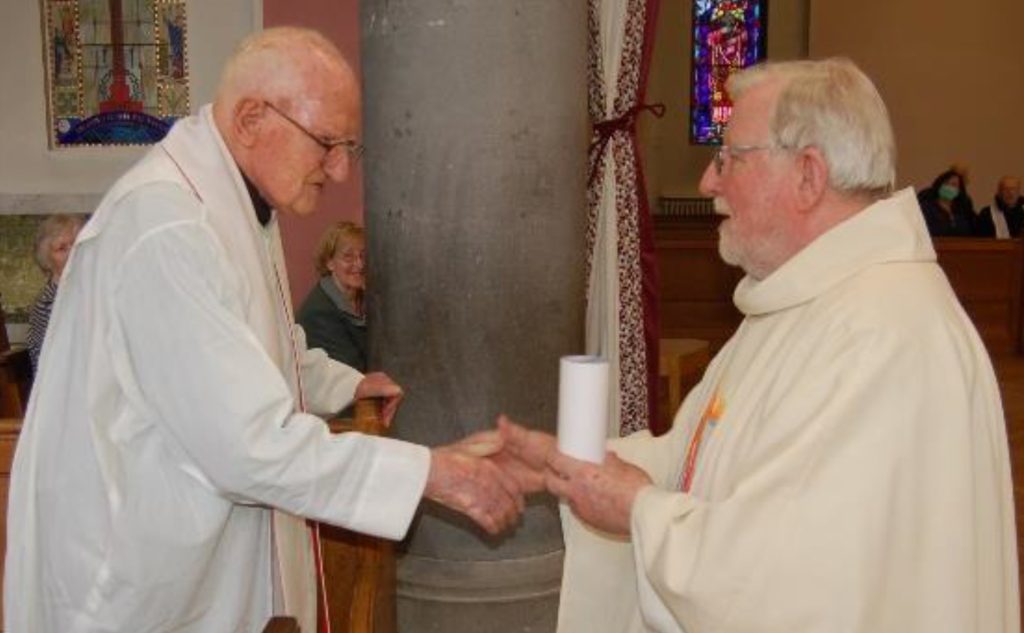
<point>116,70</point>
<point>728,35</point>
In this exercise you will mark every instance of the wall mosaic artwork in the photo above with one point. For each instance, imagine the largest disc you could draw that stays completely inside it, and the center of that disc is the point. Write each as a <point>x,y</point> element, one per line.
<point>116,70</point>
<point>20,278</point>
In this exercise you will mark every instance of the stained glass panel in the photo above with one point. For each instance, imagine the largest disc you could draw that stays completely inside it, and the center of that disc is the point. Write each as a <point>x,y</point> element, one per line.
<point>728,35</point>
<point>116,70</point>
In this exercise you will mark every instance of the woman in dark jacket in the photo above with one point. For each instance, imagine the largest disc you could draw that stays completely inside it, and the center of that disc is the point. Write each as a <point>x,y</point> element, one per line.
<point>947,208</point>
<point>333,314</point>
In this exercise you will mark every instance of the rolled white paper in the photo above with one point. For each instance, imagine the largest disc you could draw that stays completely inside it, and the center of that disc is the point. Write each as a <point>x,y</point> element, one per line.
<point>583,407</point>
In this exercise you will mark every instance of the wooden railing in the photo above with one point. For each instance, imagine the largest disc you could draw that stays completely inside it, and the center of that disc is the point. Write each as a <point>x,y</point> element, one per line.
<point>359,570</point>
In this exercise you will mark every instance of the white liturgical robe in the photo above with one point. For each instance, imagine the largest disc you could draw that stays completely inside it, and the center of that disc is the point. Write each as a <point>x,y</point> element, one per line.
<point>852,473</point>
<point>167,418</point>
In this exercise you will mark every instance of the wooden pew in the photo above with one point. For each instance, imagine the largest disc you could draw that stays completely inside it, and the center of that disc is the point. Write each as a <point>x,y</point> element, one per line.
<point>359,570</point>
<point>695,287</point>
<point>694,284</point>
<point>9,429</point>
<point>280,624</point>
<point>15,382</point>
<point>987,277</point>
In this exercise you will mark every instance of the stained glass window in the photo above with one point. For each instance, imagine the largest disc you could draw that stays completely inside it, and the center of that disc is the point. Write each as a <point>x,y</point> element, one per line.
<point>728,35</point>
<point>116,70</point>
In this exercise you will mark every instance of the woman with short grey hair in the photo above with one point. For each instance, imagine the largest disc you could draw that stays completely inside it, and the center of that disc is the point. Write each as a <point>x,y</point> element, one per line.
<point>54,239</point>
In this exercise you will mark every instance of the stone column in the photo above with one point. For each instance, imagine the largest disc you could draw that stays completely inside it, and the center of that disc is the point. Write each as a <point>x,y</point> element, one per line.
<point>476,127</point>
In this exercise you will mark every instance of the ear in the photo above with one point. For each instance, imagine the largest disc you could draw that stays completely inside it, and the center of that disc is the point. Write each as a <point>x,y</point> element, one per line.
<point>813,177</point>
<point>247,120</point>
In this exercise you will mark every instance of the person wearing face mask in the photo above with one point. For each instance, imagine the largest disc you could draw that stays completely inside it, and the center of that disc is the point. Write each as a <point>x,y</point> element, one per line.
<point>1003,219</point>
<point>333,314</point>
<point>54,239</point>
<point>944,206</point>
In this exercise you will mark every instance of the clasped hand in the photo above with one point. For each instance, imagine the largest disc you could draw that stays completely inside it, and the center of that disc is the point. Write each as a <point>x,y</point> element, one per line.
<point>487,475</point>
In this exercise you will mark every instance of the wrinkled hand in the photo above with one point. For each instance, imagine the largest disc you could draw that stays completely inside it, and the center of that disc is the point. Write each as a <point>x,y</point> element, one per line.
<point>602,495</point>
<point>464,479</point>
<point>525,454</point>
<point>379,385</point>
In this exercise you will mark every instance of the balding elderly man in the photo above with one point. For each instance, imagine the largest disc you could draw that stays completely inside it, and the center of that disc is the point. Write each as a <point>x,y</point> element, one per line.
<point>176,403</point>
<point>1005,216</point>
<point>843,465</point>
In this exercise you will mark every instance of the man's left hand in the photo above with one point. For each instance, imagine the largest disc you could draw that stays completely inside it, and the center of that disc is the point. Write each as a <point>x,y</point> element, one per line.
<point>602,495</point>
<point>379,385</point>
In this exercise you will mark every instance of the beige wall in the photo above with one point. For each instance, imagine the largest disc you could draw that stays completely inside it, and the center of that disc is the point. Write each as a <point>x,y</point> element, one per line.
<point>27,165</point>
<point>951,72</point>
<point>909,47</point>
<point>672,166</point>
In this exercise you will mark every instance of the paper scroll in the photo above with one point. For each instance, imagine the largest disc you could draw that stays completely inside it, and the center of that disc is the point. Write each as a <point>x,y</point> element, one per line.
<point>583,407</point>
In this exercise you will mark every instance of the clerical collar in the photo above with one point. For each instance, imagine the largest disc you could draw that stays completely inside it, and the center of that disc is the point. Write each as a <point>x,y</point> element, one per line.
<point>263,209</point>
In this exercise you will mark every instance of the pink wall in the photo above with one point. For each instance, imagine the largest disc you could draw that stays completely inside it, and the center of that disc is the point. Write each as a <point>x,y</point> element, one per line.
<point>338,20</point>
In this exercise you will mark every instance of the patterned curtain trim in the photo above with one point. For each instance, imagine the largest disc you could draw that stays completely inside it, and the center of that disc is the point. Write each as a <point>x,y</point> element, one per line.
<point>619,142</point>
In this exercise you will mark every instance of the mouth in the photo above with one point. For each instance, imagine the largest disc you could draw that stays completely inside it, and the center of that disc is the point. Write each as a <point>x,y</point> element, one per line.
<point>721,207</point>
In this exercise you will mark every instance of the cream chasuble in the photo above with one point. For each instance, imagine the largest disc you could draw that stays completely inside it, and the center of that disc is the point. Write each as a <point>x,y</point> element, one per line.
<point>851,472</point>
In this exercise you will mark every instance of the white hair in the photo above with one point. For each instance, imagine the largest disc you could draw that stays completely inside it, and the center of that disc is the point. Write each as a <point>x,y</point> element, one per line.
<point>831,105</point>
<point>49,229</point>
<point>272,63</point>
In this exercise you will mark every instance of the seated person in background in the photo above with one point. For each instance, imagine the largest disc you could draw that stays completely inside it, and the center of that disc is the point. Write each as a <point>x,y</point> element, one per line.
<point>964,199</point>
<point>1002,219</point>
<point>332,314</point>
<point>54,238</point>
<point>946,207</point>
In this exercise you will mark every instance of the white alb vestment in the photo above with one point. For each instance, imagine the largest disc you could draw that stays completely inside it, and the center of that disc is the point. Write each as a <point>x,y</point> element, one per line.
<point>853,473</point>
<point>165,421</point>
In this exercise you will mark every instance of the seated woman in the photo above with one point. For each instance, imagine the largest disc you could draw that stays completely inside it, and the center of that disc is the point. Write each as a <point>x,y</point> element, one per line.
<point>332,314</point>
<point>947,208</point>
<point>54,238</point>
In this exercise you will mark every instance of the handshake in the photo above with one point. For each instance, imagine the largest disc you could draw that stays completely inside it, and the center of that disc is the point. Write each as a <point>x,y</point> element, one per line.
<point>487,475</point>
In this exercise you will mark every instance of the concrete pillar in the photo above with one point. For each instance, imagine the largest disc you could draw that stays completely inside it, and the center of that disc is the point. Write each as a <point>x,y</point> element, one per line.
<point>476,129</point>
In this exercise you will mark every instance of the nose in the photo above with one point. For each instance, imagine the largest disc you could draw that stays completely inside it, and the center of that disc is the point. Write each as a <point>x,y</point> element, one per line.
<point>710,182</point>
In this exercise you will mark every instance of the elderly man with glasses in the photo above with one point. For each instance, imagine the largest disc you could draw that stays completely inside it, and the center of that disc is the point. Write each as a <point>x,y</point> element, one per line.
<point>172,450</point>
<point>843,464</point>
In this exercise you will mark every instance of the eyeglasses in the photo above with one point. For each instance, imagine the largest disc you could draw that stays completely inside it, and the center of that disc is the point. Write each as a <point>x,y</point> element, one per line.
<point>351,258</point>
<point>732,151</point>
<point>332,149</point>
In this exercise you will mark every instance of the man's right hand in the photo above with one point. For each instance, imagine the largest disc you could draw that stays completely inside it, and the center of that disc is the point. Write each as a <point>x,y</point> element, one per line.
<point>525,454</point>
<point>463,478</point>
